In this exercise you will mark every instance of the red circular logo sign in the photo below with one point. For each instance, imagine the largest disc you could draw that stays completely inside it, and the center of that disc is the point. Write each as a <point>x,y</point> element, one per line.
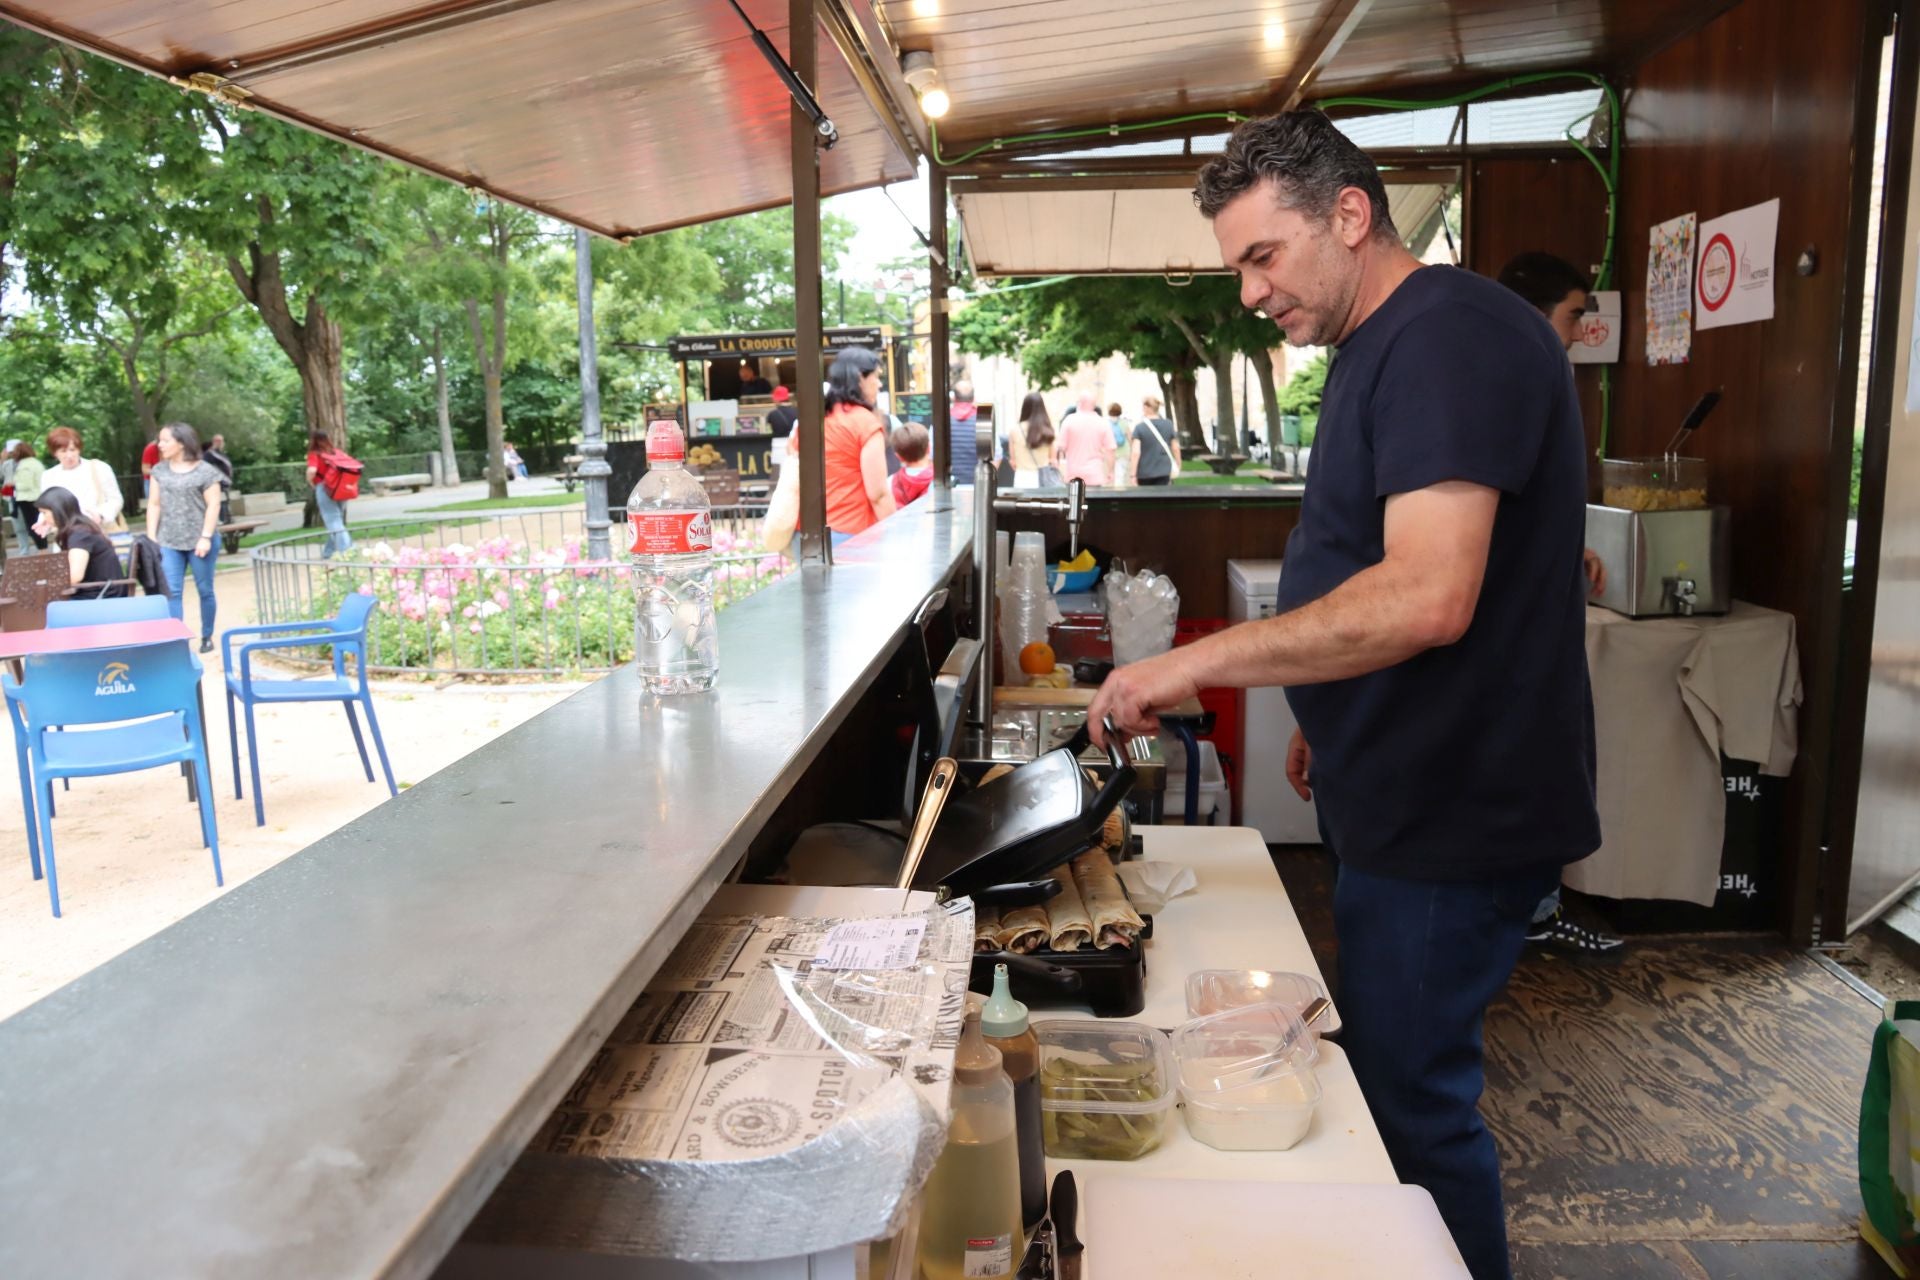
<point>1716,272</point>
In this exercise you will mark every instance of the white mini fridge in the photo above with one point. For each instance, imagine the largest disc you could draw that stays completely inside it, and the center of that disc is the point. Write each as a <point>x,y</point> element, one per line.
<point>1267,800</point>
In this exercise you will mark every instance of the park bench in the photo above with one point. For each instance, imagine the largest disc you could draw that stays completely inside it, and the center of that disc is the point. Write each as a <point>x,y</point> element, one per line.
<point>233,530</point>
<point>413,482</point>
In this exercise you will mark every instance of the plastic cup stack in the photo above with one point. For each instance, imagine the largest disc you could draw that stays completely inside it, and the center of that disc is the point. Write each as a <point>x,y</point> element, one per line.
<point>1026,606</point>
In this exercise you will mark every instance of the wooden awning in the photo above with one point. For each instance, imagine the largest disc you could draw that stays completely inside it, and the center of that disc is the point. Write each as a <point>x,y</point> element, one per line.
<point>1144,225</point>
<point>622,116</point>
<point>627,116</point>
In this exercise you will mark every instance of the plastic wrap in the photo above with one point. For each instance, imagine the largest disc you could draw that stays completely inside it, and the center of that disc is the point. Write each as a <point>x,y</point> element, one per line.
<point>753,1104</point>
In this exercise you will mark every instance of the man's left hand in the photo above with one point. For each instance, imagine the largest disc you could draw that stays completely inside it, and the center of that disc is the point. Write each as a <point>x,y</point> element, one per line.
<point>1131,693</point>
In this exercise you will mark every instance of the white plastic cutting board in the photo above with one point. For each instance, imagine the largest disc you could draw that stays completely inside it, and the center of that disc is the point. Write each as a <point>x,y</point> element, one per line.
<point>1153,1228</point>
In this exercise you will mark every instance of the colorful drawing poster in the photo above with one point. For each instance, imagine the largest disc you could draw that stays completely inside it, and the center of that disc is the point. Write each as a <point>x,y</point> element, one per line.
<point>1670,291</point>
<point>1735,281</point>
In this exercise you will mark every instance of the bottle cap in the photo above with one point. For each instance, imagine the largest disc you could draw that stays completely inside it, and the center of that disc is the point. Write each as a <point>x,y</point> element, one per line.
<point>1003,1016</point>
<point>665,443</point>
<point>975,1062</point>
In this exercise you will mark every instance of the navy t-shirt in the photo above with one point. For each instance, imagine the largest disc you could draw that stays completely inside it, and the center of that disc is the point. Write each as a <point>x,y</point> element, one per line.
<point>1476,758</point>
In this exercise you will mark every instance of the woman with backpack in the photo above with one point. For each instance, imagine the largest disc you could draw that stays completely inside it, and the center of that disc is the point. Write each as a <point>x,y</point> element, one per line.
<point>333,514</point>
<point>183,516</point>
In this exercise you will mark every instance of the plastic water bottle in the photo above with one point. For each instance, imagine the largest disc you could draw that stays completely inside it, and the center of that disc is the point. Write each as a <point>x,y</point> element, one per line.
<point>675,640</point>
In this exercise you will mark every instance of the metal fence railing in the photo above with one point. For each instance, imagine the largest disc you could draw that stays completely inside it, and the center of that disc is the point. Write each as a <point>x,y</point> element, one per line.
<point>290,478</point>
<point>492,594</point>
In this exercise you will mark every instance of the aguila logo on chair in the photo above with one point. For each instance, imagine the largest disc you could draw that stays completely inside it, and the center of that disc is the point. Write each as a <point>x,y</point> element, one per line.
<point>115,677</point>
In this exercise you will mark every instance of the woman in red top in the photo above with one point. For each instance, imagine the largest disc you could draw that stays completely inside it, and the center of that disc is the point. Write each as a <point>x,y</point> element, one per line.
<point>856,447</point>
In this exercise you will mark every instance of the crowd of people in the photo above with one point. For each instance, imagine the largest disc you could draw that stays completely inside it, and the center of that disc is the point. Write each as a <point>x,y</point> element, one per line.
<point>877,464</point>
<point>73,503</point>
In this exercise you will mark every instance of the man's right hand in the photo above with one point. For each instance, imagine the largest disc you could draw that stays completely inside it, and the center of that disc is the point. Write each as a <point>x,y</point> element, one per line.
<point>1300,765</point>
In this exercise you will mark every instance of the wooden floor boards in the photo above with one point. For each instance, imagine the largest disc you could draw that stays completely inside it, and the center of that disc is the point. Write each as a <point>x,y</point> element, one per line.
<point>1688,1113</point>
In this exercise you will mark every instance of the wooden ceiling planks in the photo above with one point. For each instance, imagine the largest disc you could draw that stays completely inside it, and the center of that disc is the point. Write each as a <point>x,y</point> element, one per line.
<point>624,116</point>
<point>1054,64</point>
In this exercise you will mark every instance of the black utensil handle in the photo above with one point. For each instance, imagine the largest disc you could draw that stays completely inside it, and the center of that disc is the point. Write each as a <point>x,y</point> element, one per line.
<point>1019,893</point>
<point>1698,414</point>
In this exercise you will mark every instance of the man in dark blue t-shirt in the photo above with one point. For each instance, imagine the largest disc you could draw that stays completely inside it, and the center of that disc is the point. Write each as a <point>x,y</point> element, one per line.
<point>1431,638</point>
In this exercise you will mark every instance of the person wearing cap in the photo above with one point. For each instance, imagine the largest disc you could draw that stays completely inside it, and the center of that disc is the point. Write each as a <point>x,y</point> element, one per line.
<point>783,415</point>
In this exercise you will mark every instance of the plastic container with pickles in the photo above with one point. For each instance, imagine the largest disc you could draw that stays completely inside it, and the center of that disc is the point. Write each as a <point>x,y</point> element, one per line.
<point>1107,1089</point>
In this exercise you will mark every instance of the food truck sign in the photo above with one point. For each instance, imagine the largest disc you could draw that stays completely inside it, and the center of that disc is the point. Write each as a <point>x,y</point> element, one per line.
<point>774,343</point>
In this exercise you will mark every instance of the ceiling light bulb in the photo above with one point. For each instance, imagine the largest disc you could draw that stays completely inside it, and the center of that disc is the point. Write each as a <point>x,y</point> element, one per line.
<point>916,66</point>
<point>1276,34</point>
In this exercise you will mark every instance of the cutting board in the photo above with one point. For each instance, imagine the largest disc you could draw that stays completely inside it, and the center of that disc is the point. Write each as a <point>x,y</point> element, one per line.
<point>1152,1228</point>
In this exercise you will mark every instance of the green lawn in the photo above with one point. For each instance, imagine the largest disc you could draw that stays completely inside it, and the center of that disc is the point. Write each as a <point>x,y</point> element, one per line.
<point>1200,476</point>
<point>503,504</point>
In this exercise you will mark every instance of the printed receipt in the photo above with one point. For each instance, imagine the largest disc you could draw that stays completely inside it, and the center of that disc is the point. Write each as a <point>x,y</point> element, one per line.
<point>891,942</point>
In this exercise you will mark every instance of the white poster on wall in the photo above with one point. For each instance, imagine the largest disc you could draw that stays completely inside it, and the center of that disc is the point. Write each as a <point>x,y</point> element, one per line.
<point>1599,341</point>
<point>1734,283</point>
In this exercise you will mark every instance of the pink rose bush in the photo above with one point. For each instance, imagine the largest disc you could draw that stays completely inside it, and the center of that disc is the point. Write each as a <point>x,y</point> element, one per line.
<point>497,604</point>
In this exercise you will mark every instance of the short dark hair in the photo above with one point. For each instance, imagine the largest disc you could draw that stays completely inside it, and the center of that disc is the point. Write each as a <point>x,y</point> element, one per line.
<point>844,375</point>
<point>1543,280</point>
<point>1309,161</point>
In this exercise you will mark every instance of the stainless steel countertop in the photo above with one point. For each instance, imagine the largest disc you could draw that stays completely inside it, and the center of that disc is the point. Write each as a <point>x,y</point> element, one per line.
<point>326,1070</point>
<point>1248,491</point>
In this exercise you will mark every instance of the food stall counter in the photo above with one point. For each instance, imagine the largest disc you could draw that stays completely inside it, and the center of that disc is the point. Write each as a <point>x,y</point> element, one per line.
<point>1239,917</point>
<point>325,1070</point>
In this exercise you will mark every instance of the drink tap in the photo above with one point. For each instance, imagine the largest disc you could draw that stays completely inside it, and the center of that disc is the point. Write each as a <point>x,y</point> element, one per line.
<point>1684,593</point>
<point>988,503</point>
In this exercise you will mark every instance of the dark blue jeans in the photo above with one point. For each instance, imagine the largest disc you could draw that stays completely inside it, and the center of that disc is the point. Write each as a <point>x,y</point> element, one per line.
<point>173,567</point>
<point>1419,963</point>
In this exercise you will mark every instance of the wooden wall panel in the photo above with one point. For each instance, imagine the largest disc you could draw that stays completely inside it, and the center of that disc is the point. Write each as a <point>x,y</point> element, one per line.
<point>1762,103</point>
<point>1519,205</point>
<point>1188,540</point>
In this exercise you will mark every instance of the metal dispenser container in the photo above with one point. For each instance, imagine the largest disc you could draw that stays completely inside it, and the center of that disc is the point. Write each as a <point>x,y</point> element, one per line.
<point>1666,548</point>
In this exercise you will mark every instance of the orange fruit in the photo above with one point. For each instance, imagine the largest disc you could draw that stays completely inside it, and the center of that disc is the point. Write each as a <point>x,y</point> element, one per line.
<point>1037,659</point>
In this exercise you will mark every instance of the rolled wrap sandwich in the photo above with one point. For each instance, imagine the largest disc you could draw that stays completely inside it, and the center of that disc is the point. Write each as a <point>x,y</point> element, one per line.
<point>1115,922</point>
<point>986,928</point>
<point>1070,927</point>
<point>1023,929</point>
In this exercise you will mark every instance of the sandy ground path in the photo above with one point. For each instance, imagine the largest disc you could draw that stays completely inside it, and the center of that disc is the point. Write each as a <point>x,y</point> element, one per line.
<point>130,857</point>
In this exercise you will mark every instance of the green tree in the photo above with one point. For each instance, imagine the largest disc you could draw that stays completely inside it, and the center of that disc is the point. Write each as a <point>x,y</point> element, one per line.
<point>301,224</point>
<point>93,192</point>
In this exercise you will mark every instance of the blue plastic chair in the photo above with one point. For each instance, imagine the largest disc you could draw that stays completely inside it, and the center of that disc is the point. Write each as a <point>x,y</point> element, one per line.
<point>347,633</point>
<point>91,613</point>
<point>146,694</point>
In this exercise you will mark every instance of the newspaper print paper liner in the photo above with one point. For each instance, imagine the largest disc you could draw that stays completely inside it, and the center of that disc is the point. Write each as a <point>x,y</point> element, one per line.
<point>800,1110</point>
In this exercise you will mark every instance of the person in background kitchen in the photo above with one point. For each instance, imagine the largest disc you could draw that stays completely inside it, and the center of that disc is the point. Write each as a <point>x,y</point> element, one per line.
<point>1558,290</point>
<point>1446,732</point>
<point>751,383</point>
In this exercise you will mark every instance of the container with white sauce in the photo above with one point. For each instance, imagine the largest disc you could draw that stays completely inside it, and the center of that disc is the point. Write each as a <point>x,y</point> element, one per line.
<point>1246,1078</point>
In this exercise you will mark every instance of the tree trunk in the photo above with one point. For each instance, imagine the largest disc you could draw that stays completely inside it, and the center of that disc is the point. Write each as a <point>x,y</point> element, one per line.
<point>1269,398</point>
<point>1185,403</point>
<point>323,383</point>
<point>449,457</point>
<point>143,407</point>
<point>311,343</point>
<point>1226,433</point>
<point>484,356</point>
